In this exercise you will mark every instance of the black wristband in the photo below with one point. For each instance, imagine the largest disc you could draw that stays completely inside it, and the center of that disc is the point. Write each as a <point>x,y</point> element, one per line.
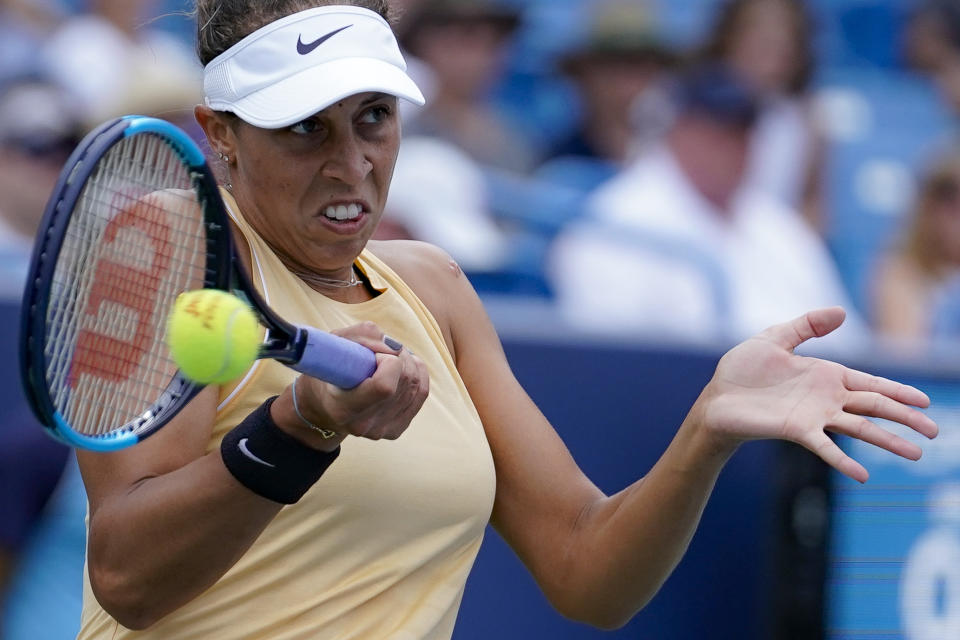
<point>269,462</point>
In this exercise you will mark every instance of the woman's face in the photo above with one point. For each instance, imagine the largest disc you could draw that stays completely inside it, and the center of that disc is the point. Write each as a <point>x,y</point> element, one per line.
<point>944,215</point>
<point>764,47</point>
<point>316,190</point>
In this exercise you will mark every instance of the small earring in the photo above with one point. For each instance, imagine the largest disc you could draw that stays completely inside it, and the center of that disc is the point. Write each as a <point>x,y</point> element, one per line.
<point>223,156</point>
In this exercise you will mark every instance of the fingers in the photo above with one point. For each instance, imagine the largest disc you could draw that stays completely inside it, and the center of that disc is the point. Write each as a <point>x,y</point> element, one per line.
<point>851,422</point>
<point>814,324</point>
<point>860,381</point>
<point>821,444</point>
<point>364,331</point>
<point>395,394</point>
<point>383,405</point>
<point>862,429</point>
<point>877,405</point>
<point>370,335</point>
<point>412,389</point>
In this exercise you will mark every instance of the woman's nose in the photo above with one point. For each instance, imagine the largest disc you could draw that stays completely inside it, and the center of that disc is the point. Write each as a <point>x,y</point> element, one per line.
<point>347,161</point>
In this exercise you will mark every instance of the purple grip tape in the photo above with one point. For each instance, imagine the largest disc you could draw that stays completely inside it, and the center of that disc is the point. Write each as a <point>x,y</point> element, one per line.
<point>334,359</point>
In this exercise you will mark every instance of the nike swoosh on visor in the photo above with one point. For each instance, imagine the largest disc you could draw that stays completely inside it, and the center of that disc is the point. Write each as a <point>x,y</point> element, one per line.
<point>304,48</point>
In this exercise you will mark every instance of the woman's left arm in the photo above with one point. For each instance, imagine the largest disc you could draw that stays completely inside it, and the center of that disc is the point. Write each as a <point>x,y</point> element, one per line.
<point>598,558</point>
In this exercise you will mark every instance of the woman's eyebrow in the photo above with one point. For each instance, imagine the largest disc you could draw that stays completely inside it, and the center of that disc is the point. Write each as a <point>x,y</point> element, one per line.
<point>374,98</point>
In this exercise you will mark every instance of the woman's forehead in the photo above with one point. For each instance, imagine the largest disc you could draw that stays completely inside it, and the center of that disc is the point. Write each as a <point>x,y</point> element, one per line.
<point>356,101</point>
<point>347,107</point>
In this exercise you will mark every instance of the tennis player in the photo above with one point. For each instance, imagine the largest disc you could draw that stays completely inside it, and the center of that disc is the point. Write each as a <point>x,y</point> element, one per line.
<point>281,507</point>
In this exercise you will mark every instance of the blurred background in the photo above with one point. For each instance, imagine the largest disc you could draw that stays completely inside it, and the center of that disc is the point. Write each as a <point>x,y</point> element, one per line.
<point>632,186</point>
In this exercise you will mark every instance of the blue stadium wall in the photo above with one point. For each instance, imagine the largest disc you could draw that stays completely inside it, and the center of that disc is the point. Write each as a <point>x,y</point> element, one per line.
<point>785,549</point>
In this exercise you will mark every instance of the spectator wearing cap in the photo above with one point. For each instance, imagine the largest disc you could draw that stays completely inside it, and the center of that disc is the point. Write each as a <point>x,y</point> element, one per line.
<point>768,43</point>
<point>679,245</point>
<point>38,129</point>
<point>464,44</point>
<point>441,190</point>
<point>620,58</point>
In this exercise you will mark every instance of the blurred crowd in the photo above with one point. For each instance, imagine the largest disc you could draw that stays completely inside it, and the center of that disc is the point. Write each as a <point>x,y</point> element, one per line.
<point>698,185</point>
<point>699,169</point>
<point>691,170</point>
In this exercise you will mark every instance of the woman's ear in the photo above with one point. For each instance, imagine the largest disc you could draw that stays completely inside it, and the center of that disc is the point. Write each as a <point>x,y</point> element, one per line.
<point>218,130</point>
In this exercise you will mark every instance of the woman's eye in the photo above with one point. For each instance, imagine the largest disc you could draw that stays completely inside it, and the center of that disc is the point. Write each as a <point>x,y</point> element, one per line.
<point>376,114</point>
<point>305,127</point>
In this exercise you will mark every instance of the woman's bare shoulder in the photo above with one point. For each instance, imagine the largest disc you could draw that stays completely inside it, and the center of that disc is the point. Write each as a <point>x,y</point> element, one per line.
<point>432,274</point>
<point>418,263</point>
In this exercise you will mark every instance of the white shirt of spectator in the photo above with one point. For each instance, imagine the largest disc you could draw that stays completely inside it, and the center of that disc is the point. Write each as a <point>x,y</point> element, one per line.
<point>771,266</point>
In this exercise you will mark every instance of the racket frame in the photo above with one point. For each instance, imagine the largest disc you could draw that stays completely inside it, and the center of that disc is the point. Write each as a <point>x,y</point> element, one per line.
<point>222,271</point>
<point>284,341</point>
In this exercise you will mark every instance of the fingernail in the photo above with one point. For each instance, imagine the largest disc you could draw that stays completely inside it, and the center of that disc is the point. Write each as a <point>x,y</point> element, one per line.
<point>393,344</point>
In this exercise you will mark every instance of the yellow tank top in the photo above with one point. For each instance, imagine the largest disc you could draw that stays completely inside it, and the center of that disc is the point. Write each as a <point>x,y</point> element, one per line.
<point>381,546</point>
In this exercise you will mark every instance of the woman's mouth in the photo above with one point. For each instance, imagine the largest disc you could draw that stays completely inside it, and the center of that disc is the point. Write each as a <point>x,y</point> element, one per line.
<point>343,211</point>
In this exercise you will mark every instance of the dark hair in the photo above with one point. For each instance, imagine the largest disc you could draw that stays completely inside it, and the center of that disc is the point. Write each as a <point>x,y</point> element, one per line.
<point>728,23</point>
<point>431,14</point>
<point>223,23</point>
<point>945,12</point>
<point>922,243</point>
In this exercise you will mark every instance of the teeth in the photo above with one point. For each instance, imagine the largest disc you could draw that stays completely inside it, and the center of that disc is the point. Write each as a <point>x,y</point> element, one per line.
<point>343,212</point>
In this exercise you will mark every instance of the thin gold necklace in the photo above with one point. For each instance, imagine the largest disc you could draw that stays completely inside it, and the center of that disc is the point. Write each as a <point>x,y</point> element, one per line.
<point>312,278</point>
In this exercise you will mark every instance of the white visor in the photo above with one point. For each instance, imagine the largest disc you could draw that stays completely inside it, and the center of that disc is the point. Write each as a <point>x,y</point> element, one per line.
<point>301,64</point>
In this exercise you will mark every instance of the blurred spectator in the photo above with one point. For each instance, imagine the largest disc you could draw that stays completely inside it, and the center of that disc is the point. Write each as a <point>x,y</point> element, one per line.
<point>768,43</point>
<point>932,35</point>
<point>679,245</point>
<point>622,53</point>
<point>90,68</point>
<point>932,46</point>
<point>115,64</point>
<point>464,43</point>
<point>441,195</point>
<point>404,13</point>
<point>438,195</point>
<point>456,49</point>
<point>24,24</point>
<point>912,282</point>
<point>39,127</point>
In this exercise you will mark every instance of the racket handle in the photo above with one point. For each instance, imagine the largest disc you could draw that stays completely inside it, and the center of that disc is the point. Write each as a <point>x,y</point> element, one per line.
<point>333,359</point>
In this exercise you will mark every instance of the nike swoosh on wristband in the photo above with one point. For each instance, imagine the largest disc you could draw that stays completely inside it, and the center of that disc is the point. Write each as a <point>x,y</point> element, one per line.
<point>242,445</point>
<point>304,48</point>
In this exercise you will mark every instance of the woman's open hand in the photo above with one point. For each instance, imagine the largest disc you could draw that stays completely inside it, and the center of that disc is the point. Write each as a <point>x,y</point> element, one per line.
<point>761,389</point>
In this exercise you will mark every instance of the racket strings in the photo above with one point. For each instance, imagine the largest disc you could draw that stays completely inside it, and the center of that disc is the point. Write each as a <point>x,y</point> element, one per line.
<point>135,240</point>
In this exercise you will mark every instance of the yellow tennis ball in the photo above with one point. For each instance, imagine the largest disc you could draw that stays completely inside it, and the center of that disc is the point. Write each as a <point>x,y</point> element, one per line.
<point>213,335</point>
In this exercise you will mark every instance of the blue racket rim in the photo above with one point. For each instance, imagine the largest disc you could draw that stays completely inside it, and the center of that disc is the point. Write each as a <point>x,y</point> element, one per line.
<point>33,321</point>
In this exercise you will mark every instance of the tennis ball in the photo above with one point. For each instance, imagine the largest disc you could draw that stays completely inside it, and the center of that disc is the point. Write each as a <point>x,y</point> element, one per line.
<point>213,335</point>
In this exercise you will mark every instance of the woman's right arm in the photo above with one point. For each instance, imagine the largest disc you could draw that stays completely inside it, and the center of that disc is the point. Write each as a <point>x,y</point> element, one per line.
<point>167,520</point>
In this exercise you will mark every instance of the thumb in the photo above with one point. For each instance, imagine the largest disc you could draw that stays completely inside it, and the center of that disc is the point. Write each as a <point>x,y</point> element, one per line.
<point>813,324</point>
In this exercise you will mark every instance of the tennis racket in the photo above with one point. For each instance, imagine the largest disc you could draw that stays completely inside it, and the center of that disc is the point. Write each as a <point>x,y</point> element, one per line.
<point>136,219</point>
